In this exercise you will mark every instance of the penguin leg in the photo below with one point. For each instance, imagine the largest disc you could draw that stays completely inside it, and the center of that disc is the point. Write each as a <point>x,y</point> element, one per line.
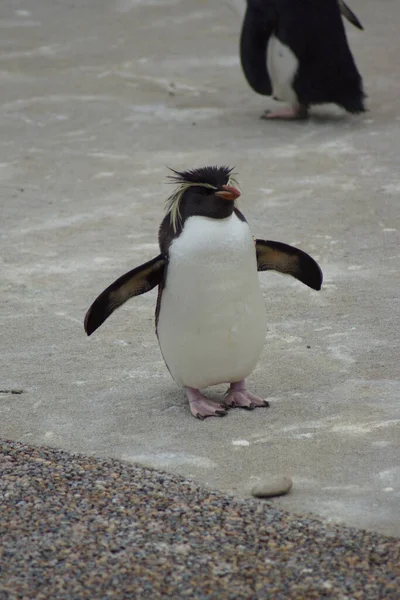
<point>238,397</point>
<point>299,112</point>
<point>201,407</point>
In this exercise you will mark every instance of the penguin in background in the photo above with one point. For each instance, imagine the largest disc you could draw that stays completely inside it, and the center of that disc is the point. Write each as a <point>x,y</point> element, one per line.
<point>297,51</point>
<point>210,313</point>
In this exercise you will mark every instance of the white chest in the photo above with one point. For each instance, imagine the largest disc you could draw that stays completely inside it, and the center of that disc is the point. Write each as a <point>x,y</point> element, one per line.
<point>211,326</point>
<point>282,67</point>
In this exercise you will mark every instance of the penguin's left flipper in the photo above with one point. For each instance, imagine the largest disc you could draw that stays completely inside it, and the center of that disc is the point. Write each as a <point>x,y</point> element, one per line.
<point>138,281</point>
<point>350,16</point>
<point>258,26</point>
<point>276,256</point>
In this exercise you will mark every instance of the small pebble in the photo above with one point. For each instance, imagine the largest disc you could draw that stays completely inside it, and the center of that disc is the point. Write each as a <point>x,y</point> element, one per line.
<point>272,486</point>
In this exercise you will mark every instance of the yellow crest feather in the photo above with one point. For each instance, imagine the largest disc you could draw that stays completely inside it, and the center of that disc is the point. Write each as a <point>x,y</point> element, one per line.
<point>173,202</point>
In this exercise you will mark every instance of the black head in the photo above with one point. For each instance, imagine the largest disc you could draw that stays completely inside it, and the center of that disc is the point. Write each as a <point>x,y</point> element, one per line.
<point>208,191</point>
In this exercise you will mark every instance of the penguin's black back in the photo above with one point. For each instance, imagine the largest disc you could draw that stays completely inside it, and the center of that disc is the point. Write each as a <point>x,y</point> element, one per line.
<point>314,31</point>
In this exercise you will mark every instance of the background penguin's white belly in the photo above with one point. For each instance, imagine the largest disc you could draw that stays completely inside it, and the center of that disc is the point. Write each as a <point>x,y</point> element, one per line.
<point>212,324</point>
<point>282,66</point>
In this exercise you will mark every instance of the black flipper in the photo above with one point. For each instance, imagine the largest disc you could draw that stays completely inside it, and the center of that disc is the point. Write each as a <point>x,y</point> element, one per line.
<point>258,25</point>
<point>138,281</point>
<point>276,256</point>
<point>350,16</point>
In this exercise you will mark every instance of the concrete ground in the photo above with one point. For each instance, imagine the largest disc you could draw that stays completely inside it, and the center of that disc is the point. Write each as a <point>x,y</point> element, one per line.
<point>97,98</point>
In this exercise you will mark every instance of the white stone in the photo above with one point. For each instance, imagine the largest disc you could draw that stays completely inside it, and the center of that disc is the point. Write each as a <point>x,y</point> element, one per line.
<point>272,486</point>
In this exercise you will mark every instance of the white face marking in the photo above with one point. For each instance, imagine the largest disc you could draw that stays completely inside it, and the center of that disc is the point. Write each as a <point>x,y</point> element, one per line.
<point>211,326</point>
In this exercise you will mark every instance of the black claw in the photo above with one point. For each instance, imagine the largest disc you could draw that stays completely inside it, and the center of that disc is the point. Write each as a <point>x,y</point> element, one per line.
<point>199,417</point>
<point>266,403</point>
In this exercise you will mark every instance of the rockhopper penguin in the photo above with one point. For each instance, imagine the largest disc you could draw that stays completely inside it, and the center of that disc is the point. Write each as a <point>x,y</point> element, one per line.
<point>297,51</point>
<point>210,314</point>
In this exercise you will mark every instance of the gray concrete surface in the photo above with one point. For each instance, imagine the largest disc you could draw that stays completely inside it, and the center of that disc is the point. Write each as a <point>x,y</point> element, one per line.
<point>96,99</point>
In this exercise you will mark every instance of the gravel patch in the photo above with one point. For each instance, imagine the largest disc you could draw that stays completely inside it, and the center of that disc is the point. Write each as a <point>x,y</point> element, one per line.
<point>79,527</point>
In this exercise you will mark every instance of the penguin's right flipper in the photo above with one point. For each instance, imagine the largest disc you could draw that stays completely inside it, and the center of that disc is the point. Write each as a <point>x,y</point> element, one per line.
<point>258,26</point>
<point>276,256</point>
<point>138,281</point>
<point>350,16</point>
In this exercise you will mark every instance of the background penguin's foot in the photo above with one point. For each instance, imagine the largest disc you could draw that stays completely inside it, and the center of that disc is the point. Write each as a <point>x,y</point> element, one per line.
<point>201,407</point>
<point>238,397</point>
<point>292,114</point>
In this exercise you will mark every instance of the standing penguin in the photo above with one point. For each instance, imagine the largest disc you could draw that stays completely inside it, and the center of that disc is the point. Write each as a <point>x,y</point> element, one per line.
<point>210,315</point>
<point>297,51</point>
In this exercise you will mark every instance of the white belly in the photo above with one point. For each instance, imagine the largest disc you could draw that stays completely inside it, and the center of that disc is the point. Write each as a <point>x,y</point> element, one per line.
<point>282,66</point>
<point>212,324</point>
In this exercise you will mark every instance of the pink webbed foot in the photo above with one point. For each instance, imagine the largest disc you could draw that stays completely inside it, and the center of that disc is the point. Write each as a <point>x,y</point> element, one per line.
<point>238,397</point>
<point>291,114</point>
<point>201,407</point>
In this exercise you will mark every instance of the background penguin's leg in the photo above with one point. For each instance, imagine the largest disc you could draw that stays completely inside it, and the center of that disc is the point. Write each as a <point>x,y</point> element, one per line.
<point>298,112</point>
<point>201,407</point>
<point>238,397</point>
<point>283,66</point>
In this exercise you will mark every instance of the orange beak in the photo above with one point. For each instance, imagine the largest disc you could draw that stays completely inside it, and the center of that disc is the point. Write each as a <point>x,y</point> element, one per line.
<point>229,193</point>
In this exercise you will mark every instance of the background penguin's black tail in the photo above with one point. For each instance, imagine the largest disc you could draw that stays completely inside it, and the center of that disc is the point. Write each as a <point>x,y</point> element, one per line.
<point>350,95</point>
<point>354,104</point>
<point>327,69</point>
<point>340,84</point>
